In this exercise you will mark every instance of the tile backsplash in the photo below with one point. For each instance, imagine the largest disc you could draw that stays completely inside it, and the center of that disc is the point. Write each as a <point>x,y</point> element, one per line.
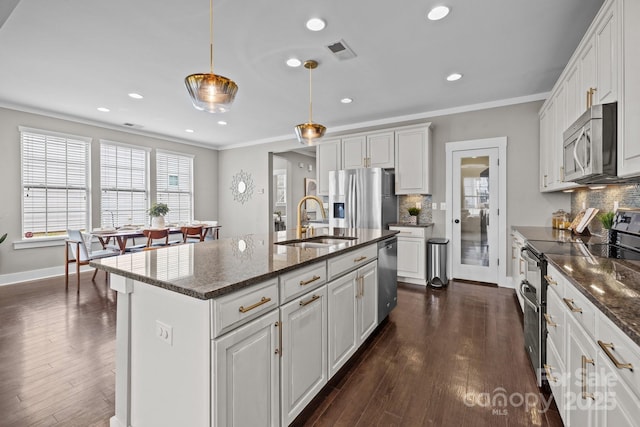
<point>627,196</point>
<point>406,202</point>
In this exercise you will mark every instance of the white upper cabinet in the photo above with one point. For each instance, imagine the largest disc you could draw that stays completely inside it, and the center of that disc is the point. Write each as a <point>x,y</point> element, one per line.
<point>413,160</point>
<point>629,90</point>
<point>328,158</point>
<point>368,151</point>
<point>354,152</point>
<point>606,41</point>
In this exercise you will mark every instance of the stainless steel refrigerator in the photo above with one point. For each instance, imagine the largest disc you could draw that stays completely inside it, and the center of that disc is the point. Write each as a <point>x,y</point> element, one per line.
<point>362,198</point>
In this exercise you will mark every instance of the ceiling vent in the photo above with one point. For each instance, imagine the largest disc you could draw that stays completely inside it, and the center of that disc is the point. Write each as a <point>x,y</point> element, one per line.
<point>341,50</point>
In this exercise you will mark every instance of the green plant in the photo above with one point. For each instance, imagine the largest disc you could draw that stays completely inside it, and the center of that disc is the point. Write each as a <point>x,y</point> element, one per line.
<point>606,218</point>
<point>158,209</point>
<point>4,236</point>
<point>414,211</point>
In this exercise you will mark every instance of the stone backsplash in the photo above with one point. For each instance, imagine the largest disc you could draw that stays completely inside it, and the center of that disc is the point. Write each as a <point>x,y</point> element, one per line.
<point>406,202</point>
<point>627,196</point>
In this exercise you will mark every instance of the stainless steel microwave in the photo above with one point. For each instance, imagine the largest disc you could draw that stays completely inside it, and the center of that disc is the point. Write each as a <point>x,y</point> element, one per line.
<point>589,149</point>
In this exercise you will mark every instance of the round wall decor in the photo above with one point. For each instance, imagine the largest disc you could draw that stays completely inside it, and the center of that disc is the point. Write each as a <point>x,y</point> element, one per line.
<point>242,186</point>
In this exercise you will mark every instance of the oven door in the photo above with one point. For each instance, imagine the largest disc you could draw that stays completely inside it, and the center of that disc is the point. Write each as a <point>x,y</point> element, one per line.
<point>577,154</point>
<point>533,339</point>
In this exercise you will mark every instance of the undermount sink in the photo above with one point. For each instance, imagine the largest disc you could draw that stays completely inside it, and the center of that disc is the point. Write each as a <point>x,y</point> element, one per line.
<point>317,241</point>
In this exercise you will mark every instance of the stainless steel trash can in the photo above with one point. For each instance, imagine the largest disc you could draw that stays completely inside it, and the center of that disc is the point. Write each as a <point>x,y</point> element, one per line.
<point>437,262</point>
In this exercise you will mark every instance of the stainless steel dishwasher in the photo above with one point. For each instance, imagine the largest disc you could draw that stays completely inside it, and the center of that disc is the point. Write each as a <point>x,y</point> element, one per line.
<point>387,277</point>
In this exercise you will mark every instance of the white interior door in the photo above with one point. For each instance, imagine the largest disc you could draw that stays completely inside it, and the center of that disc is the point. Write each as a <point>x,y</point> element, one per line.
<point>474,209</point>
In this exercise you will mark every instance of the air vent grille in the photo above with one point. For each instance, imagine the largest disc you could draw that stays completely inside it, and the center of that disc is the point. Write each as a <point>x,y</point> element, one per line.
<point>341,50</point>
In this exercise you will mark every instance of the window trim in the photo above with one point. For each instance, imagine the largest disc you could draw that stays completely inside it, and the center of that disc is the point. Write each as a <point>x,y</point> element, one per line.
<point>43,241</point>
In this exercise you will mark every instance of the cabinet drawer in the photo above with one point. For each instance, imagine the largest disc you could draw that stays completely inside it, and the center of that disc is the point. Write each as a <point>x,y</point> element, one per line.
<point>621,349</point>
<point>556,282</point>
<point>580,308</point>
<point>554,371</point>
<point>556,324</point>
<point>409,231</point>
<point>352,260</point>
<point>237,308</point>
<point>302,280</point>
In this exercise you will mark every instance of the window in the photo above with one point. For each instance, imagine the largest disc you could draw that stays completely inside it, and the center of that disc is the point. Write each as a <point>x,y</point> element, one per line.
<point>280,177</point>
<point>174,186</point>
<point>123,182</point>
<point>55,181</point>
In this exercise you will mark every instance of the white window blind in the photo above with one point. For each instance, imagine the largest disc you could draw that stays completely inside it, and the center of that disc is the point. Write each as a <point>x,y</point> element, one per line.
<point>123,182</point>
<point>174,185</point>
<point>55,179</point>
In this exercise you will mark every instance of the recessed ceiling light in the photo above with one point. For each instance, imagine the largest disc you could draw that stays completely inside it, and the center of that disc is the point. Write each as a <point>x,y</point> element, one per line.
<point>454,76</point>
<point>103,109</point>
<point>346,100</point>
<point>438,13</point>
<point>189,130</point>
<point>135,95</point>
<point>316,24</point>
<point>222,123</point>
<point>294,62</point>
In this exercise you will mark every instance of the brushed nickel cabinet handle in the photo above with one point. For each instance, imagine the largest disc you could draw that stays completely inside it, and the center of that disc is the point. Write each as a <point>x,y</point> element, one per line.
<point>550,377</point>
<point>550,280</point>
<point>549,321</point>
<point>279,349</point>
<point>585,394</point>
<point>312,299</point>
<point>572,306</point>
<point>244,309</point>
<point>362,258</point>
<point>607,347</point>
<point>306,282</point>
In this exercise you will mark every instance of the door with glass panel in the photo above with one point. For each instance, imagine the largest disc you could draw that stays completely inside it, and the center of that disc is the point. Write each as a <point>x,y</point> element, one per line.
<point>474,245</point>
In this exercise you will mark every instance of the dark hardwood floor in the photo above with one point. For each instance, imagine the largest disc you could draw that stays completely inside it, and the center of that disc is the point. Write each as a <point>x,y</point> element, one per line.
<point>440,360</point>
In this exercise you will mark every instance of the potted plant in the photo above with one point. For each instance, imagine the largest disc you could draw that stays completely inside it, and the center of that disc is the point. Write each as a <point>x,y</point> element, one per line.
<point>606,219</point>
<point>413,215</point>
<point>157,211</point>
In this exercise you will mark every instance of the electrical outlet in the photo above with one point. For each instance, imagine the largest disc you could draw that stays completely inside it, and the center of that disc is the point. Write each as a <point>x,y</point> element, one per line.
<point>418,205</point>
<point>616,205</point>
<point>164,332</point>
<point>443,206</point>
<point>434,206</point>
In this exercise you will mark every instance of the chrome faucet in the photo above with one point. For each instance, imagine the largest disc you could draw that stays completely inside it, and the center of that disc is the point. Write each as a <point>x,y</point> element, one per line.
<point>303,230</point>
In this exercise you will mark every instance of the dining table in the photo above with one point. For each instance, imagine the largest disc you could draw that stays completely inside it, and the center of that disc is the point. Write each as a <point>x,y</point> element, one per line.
<point>122,235</point>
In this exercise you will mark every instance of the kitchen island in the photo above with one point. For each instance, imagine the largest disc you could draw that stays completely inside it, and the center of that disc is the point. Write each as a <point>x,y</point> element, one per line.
<point>239,331</point>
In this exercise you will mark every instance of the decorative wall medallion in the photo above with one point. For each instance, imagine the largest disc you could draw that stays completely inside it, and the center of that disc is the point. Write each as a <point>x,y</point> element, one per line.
<point>242,186</point>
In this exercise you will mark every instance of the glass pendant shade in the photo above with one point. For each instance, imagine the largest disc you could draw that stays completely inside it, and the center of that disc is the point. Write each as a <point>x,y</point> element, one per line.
<point>308,133</point>
<point>210,92</point>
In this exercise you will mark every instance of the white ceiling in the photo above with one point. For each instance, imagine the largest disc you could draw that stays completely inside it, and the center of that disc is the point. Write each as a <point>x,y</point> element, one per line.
<point>68,57</point>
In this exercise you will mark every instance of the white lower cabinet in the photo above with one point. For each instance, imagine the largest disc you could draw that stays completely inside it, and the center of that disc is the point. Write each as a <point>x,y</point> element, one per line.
<point>618,406</point>
<point>246,375</point>
<point>353,313</point>
<point>556,375</point>
<point>304,352</point>
<point>581,363</point>
<point>412,254</point>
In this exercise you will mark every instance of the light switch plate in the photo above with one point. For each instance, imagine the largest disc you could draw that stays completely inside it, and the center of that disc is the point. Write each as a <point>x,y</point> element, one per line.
<point>418,205</point>
<point>434,206</point>
<point>443,206</point>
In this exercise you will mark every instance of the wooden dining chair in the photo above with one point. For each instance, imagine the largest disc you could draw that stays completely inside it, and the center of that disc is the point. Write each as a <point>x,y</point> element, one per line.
<point>156,234</point>
<point>190,233</point>
<point>77,252</point>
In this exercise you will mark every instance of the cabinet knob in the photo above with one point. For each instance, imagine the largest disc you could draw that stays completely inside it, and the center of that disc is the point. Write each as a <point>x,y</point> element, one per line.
<point>457,221</point>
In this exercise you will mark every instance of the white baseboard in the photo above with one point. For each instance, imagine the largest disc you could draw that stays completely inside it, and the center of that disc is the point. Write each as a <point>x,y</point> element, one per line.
<point>412,281</point>
<point>43,273</point>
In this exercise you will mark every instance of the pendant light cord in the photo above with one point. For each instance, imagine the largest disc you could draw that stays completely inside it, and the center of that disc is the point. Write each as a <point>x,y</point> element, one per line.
<point>211,34</point>
<point>310,96</point>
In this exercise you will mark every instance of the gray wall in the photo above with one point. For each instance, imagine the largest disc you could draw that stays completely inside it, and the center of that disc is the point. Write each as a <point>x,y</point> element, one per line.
<point>519,123</point>
<point>14,261</point>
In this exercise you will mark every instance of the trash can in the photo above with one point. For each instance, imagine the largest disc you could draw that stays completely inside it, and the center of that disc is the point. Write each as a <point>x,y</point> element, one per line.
<point>437,262</point>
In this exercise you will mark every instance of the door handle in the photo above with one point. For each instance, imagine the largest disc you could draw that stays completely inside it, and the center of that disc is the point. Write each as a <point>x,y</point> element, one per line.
<point>457,221</point>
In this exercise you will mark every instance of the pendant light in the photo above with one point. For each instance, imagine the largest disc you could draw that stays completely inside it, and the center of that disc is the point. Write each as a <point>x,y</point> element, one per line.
<point>210,92</point>
<point>310,132</point>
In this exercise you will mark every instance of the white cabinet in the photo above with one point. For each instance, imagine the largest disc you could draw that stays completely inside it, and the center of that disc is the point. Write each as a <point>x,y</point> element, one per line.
<point>412,254</point>
<point>413,160</point>
<point>629,91</point>
<point>581,364</point>
<point>246,375</point>
<point>328,158</point>
<point>367,300</point>
<point>368,151</point>
<point>517,266</point>
<point>304,352</point>
<point>606,41</point>
<point>343,338</point>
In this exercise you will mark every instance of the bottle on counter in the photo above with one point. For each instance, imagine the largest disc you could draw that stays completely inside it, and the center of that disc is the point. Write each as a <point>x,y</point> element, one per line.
<point>560,219</point>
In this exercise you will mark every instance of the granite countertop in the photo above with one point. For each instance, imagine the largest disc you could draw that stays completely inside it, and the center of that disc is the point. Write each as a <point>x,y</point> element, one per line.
<point>404,224</point>
<point>213,268</point>
<point>612,285</point>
